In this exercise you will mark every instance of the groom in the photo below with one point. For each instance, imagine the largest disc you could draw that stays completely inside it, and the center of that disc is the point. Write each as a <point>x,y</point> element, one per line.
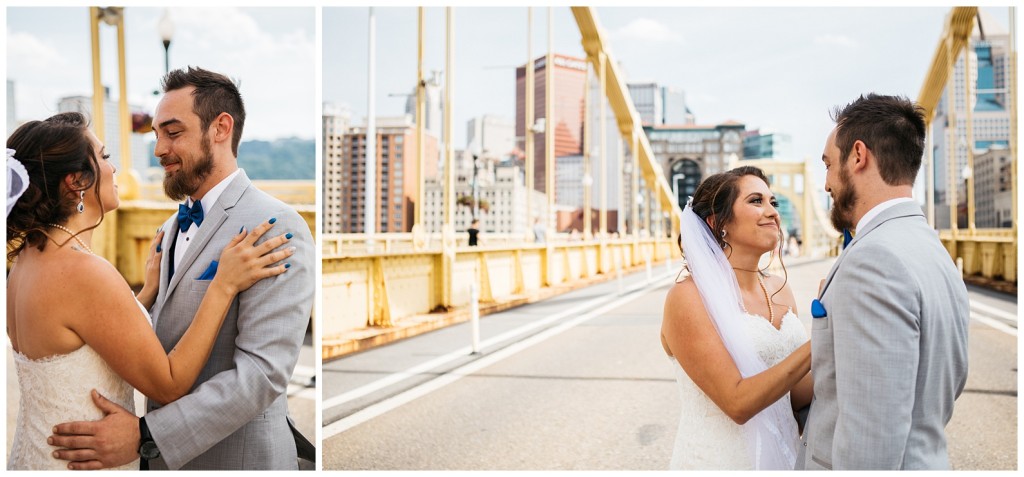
<point>889,332</point>
<point>236,416</point>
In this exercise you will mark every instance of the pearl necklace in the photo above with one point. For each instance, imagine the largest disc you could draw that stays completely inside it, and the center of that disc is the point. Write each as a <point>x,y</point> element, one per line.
<point>74,236</point>
<point>767,299</point>
<point>771,310</point>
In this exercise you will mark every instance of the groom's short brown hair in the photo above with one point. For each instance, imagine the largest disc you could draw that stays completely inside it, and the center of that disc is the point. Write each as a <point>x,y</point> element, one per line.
<point>214,94</point>
<point>892,127</point>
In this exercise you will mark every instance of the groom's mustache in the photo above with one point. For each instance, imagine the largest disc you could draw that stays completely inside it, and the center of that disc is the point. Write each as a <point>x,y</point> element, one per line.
<point>168,160</point>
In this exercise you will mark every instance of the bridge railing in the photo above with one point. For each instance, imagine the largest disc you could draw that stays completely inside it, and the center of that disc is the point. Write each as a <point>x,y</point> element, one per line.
<point>380,289</point>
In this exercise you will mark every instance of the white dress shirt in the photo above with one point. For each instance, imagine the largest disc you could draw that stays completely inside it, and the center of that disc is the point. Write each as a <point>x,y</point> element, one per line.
<point>185,238</point>
<point>878,209</point>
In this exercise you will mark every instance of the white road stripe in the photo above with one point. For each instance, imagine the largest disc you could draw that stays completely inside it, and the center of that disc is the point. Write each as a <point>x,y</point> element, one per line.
<point>993,311</point>
<point>999,325</point>
<point>394,402</point>
<point>464,351</point>
<point>302,392</point>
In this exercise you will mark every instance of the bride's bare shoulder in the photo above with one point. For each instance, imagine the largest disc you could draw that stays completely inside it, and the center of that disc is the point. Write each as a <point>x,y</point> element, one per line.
<point>682,297</point>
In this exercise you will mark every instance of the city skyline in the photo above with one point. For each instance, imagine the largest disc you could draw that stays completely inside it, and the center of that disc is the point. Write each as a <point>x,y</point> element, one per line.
<point>783,69</point>
<point>48,51</point>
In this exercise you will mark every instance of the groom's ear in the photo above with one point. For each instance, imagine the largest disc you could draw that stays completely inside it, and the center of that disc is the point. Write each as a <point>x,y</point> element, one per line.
<point>223,127</point>
<point>859,155</point>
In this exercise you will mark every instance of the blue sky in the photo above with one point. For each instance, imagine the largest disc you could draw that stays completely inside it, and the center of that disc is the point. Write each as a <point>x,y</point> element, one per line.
<point>270,50</point>
<point>771,67</point>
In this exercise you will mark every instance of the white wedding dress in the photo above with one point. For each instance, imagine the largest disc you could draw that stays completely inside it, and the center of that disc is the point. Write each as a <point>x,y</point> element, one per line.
<point>708,439</point>
<point>54,390</point>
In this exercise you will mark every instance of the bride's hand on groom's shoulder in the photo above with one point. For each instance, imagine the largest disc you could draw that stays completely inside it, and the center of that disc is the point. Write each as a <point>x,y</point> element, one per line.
<point>243,262</point>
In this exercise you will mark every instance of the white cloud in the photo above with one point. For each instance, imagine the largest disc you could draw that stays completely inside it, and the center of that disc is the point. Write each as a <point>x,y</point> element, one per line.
<point>836,40</point>
<point>26,51</point>
<point>648,30</point>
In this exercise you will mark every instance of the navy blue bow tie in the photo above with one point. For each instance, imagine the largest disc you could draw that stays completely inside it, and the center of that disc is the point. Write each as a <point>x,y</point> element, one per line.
<point>187,216</point>
<point>847,237</point>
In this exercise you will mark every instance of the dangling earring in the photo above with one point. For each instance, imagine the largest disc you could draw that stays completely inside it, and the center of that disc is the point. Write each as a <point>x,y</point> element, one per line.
<point>81,202</point>
<point>723,240</point>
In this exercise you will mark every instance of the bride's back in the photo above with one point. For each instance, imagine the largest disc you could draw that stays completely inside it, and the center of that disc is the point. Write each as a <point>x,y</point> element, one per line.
<point>42,303</point>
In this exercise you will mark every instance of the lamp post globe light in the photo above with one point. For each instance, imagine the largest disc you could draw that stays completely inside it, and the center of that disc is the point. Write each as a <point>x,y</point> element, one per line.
<point>166,29</point>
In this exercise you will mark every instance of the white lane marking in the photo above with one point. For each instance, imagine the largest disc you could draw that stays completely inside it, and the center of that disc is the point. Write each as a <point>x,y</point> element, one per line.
<point>301,392</point>
<point>465,350</point>
<point>397,400</point>
<point>993,311</point>
<point>999,325</point>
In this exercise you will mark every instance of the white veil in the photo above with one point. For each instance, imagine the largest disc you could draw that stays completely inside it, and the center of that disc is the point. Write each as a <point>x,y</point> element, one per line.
<point>772,432</point>
<point>17,180</point>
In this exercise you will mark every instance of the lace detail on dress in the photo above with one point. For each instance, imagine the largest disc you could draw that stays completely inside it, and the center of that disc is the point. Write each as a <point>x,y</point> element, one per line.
<point>707,438</point>
<point>56,389</point>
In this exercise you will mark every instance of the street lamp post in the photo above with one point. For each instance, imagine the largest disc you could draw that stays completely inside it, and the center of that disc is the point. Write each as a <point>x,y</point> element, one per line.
<point>166,29</point>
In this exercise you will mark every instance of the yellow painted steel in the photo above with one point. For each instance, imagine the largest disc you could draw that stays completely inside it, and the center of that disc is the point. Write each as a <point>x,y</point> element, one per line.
<point>991,253</point>
<point>955,34</point>
<point>621,103</point>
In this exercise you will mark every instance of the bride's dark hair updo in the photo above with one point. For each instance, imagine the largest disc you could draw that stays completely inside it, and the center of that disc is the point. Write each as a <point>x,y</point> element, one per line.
<point>50,150</point>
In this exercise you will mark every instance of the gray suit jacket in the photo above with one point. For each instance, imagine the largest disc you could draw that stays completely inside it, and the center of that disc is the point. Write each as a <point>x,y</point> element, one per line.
<point>235,415</point>
<point>890,358</point>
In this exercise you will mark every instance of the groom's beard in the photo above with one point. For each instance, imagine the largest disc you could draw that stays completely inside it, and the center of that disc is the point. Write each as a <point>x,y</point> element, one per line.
<point>185,181</point>
<point>842,207</point>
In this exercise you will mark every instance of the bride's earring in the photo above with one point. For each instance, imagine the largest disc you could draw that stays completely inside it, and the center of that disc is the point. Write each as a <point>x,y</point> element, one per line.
<point>723,240</point>
<point>81,202</point>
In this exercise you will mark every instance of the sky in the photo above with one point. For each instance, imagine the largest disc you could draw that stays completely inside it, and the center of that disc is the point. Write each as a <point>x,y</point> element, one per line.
<point>270,51</point>
<point>781,68</point>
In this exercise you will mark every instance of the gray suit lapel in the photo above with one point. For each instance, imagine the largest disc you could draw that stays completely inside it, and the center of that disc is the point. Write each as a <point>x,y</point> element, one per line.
<point>906,209</point>
<point>210,227</point>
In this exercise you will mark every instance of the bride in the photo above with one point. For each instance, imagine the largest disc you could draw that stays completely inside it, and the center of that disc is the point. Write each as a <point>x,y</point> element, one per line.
<point>741,356</point>
<point>72,320</point>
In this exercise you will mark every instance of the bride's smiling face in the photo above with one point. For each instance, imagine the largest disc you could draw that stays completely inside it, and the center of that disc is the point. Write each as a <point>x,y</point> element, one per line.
<point>107,181</point>
<point>755,220</point>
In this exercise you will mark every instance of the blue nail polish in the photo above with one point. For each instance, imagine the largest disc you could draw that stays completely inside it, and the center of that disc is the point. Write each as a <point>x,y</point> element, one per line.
<point>240,229</point>
<point>159,248</point>
<point>272,220</point>
<point>288,235</point>
<point>287,265</point>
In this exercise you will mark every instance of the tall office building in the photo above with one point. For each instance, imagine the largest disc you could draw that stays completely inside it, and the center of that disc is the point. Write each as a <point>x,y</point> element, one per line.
<point>992,186</point>
<point>502,192</point>
<point>569,76</point>
<point>141,159</point>
<point>674,106</point>
<point>985,63</point>
<point>491,136</point>
<point>647,98</point>
<point>395,177</point>
<point>433,117</point>
<point>335,124</point>
<point>660,105</point>
<point>767,144</point>
<point>569,181</point>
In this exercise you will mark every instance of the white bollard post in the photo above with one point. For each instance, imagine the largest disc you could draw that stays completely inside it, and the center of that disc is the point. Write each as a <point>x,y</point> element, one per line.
<point>618,275</point>
<point>474,317</point>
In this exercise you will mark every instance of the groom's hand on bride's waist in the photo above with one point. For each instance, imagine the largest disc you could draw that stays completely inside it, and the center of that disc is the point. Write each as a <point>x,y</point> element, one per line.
<point>90,445</point>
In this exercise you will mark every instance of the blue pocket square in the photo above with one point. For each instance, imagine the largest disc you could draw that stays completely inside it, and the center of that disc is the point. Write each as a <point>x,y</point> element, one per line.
<point>817,309</point>
<point>210,272</point>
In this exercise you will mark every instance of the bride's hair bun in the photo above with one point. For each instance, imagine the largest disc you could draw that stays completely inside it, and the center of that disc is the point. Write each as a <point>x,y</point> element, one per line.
<point>50,150</point>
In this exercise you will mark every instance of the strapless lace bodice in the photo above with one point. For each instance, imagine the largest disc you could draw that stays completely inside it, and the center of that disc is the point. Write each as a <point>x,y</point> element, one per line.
<point>707,438</point>
<point>55,390</point>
